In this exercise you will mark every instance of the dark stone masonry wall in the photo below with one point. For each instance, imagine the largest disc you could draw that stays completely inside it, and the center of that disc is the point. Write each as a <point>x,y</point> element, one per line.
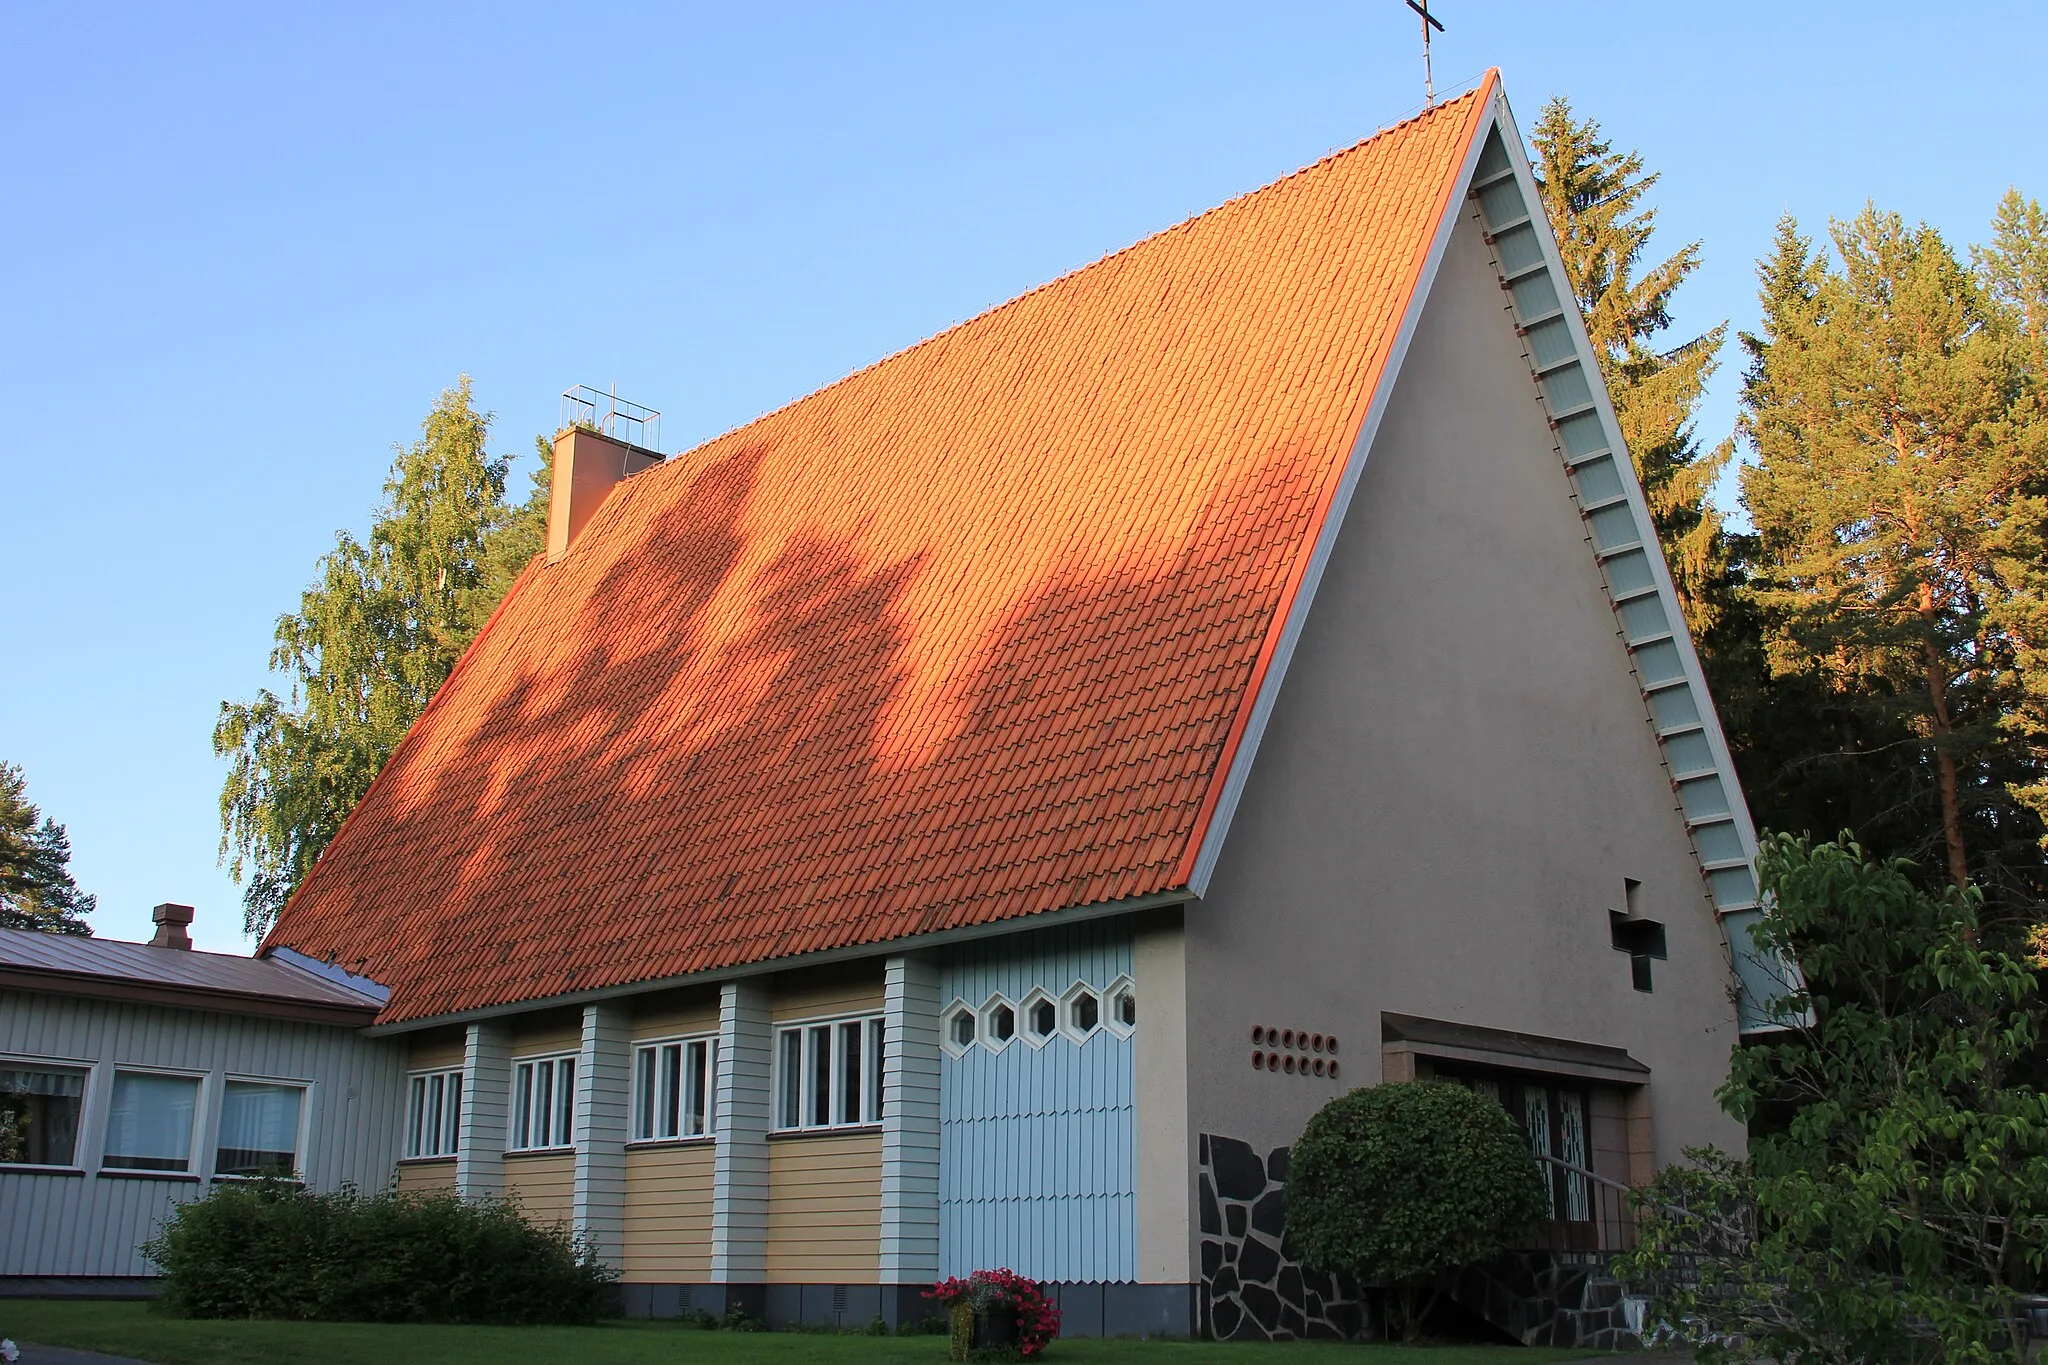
<point>1252,1290</point>
<point>1545,1299</point>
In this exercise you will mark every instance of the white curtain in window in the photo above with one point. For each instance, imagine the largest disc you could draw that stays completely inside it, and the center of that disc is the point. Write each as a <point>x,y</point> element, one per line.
<point>63,1083</point>
<point>260,1118</point>
<point>149,1121</point>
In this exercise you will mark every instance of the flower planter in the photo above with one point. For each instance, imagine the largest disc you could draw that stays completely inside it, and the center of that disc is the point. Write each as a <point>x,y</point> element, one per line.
<point>996,1329</point>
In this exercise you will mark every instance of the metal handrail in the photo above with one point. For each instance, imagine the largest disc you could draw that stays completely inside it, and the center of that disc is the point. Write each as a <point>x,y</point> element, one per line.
<point>604,411</point>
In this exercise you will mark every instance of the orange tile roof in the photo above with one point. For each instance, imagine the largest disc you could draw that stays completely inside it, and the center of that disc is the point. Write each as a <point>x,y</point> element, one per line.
<point>966,636</point>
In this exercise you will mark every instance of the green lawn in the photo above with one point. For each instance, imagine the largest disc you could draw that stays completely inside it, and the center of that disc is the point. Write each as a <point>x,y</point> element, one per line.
<point>131,1329</point>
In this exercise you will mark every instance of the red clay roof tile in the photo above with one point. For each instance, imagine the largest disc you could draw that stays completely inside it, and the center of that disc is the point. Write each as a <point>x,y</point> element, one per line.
<point>968,635</point>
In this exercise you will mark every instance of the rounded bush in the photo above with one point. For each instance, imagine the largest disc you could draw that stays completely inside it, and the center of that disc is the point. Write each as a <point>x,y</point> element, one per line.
<point>1395,1184</point>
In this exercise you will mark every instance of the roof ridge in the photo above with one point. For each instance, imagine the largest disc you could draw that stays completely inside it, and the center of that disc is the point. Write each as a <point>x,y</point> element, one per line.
<point>1327,159</point>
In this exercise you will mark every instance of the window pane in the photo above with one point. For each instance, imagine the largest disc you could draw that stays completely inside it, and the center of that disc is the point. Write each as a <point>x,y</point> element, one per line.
<point>522,1106</point>
<point>821,1075</point>
<point>671,1090</point>
<point>43,1108</point>
<point>876,1052</point>
<point>437,1101</point>
<point>543,1103</point>
<point>452,1135</point>
<point>643,1094</point>
<point>699,1076</point>
<point>792,1076</point>
<point>416,1117</point>
<point>259,1129</point>
<point>565,1101</point>
<point>849,1072</point>
<point>149,1122</point>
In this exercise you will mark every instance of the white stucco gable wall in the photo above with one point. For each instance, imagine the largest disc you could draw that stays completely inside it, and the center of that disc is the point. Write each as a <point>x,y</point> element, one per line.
<point>1458,773</point>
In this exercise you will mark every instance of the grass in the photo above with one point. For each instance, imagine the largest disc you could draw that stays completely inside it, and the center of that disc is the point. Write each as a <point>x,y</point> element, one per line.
<point>133,1329</point>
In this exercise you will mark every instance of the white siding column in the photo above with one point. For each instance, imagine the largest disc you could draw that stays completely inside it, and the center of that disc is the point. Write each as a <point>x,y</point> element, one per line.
<point>739,1187</point>
<point>486,1082</point>
<point>603,1079</point>
<point>910,1122</point>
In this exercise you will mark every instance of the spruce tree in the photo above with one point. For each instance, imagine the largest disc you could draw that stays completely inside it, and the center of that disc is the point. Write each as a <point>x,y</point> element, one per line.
<point>372,639</point>
<point>1891,498</point>
<point>36,889</point>
<point>1594,197</point>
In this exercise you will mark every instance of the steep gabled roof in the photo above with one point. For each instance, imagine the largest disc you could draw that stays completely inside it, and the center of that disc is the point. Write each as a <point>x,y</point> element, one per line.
<point>968,636</point>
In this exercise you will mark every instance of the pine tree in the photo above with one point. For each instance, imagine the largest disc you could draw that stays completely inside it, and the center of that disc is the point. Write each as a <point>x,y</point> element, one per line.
<point>2013,272</point>
<point>36,889</point>
<point>371,641</point>
<point>1889,490</point>
<point>1594,197</point>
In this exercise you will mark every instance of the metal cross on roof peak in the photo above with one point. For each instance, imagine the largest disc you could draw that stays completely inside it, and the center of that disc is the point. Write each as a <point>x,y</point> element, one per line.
<point>1429,21</point>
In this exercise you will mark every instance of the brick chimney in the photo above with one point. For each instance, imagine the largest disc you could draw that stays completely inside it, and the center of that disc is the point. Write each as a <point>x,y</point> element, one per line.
<point>170,926</point>
<point>588,465</point>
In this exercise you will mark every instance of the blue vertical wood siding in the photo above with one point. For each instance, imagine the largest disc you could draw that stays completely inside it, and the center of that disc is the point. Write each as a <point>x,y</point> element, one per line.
<point>1036,1168</point>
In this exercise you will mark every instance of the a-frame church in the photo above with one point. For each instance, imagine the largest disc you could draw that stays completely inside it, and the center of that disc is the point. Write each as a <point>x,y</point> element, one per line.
<point>975,814</point>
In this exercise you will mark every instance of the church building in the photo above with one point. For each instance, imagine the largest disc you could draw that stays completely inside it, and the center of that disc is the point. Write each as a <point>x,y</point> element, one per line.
<point>974,815</point>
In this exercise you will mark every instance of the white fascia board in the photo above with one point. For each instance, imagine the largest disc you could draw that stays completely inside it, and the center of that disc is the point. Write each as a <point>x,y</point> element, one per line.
<point>1735,918</point>
<point>1326,539</point>
<point>1632,488</point>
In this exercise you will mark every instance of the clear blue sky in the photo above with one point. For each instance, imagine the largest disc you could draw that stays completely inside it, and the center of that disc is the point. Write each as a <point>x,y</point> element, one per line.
<point>244,247</point>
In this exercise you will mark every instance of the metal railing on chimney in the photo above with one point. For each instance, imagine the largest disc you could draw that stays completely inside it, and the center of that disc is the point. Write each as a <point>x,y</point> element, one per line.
<point>604,411</point>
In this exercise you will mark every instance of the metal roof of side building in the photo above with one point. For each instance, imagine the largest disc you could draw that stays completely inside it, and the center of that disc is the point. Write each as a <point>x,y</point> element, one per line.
<point>142,973</point>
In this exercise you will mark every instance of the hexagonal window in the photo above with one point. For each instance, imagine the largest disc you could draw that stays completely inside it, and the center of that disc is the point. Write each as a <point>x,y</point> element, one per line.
<point>998,1023</point>
<point>1040,1016</point>
<point>960,1028</point>
<point>1122,996</point>
<point>1081,1012</point>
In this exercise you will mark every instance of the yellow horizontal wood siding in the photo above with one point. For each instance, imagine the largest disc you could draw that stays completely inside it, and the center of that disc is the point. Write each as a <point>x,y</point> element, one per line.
<point>852,989</point>
<point>540,1034</point>
<point>544,1185</point>
<point>414,1176</point>
<point>664,1014</point>
<point>668,1214</point>
<point>435,1050</point>
<point>825,1209</point>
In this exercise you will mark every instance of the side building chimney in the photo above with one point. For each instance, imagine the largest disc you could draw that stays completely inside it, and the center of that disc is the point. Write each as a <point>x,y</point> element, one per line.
<point>170,926</point>
<point>588,465</point>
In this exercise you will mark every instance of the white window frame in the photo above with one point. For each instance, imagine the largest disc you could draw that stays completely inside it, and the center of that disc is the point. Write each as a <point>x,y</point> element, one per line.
<point>446,1122</point>
<point>305,1089</point>
<point>1113,996</point>
<point>661,1099</point>
<point>1027,1008</point>
<point>550,1090</point>
<point>872,1035</point>
<point>949,1019</point>
<point>986,1033</point>
<point>202,1102</point>
<point>15,1061</point>
<point>1071,1030</point>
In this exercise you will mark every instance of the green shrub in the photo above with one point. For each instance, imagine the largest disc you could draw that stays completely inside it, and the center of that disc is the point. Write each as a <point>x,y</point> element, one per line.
<point>267,1249</point>
<point>1398,1183</point>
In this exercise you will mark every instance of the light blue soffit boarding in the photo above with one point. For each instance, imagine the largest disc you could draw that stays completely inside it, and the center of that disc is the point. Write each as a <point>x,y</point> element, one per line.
<point>1631,561</point>
<point>1036,1167</point>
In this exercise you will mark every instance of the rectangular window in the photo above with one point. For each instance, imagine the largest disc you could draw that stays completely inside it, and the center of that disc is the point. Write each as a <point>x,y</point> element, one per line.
<point>543,1103</point>
<point>830,1074</point>
<point>39,1108</point>
<point>433,1113</point>
<point>672,1087</point>
<point>149,1122</point>
<point>259,1129</point>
